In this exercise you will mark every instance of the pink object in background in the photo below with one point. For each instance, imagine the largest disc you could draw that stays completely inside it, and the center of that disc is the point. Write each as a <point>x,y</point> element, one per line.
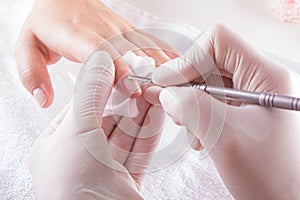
<point>286,10</point>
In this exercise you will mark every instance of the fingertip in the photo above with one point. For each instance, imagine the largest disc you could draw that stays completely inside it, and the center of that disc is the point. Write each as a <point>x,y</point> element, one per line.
<point>172,55</point>
<point>160,75</point>
<point>38,84</point>
<point>43,95</point>
<point>158,55</point>
<point>32,68</point>
<point>151,94</point>
<point>166,97</point>
<point>136,94</point>
<point>171,74</point>
<point>133,87</point>
<point>155,76</point>
<point>171,104</point>
<point>39,96</point>
<point>49,99</point>
<point>129,88</point>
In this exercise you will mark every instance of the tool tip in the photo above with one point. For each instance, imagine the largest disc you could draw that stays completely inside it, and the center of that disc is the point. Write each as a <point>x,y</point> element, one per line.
<point>139,78</point>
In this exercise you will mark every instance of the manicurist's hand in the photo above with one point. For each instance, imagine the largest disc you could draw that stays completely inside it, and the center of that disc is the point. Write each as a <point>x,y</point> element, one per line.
<point>255,149</point>
<point>73,29</point>
<point>83,155</point>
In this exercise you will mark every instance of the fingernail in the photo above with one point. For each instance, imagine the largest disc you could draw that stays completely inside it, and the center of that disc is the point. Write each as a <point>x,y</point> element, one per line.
<point>39,96</point>
<point>132,87</point>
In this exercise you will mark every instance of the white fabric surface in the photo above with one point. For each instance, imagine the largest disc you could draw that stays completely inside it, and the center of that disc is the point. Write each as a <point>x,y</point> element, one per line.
<point>21,120</point>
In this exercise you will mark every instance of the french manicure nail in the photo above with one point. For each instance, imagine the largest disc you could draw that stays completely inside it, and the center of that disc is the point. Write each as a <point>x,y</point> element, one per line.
<point>132,87</point>
<point>39,96</point>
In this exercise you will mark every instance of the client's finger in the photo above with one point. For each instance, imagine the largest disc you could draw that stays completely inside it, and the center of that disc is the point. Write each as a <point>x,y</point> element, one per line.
<point>147,46</point>
<point>32,67</point>
<point>122,84</point>
<point>151,94</point>
<point>122,45</point>
<point>127,87</point>
<point>169,50</point>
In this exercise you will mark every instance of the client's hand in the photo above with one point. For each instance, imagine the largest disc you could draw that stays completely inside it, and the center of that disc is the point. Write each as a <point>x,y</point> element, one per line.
<point>255,149</point>
<point>73,29</point>
<point>83,155</point>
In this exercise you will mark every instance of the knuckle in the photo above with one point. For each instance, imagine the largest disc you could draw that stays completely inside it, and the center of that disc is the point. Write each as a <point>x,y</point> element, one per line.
<point>95,42</point>
<point>27,78</point>
<point>76,20</point>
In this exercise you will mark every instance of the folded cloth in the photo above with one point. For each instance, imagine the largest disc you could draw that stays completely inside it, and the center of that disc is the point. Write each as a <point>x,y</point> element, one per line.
<point>188,176</point>
<point>119,104</point>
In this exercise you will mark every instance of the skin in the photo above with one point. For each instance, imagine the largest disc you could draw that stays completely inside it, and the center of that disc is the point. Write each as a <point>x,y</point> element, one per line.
<point>63,28</point>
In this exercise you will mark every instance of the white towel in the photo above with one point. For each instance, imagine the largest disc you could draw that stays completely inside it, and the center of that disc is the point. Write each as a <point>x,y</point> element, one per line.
<point>21,120</point>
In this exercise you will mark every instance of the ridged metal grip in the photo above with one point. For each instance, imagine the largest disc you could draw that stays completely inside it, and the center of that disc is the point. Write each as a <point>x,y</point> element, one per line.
<point>279,101</point>
<point>264,99</point>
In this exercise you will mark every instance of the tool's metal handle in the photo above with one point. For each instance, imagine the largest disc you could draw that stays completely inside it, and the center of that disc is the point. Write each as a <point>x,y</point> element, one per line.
<point>229,93</point>
<point>279,101</point>
<point>264,99</point>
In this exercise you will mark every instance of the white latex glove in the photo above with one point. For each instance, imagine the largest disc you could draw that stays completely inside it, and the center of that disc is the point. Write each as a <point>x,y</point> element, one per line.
<point>82,155</point>
<point>255,149</point>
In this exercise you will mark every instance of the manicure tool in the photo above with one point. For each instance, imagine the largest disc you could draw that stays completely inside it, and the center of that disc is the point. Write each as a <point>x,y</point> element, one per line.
<point>263,99</point>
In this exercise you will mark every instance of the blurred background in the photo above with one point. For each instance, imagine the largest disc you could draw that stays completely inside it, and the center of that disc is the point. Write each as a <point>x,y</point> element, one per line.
<point>258,21</point>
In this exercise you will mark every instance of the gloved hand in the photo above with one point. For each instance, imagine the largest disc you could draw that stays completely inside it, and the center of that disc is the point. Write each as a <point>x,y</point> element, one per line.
<point>83,155</point>
<point>255,149</point>
<point>73,29</point>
